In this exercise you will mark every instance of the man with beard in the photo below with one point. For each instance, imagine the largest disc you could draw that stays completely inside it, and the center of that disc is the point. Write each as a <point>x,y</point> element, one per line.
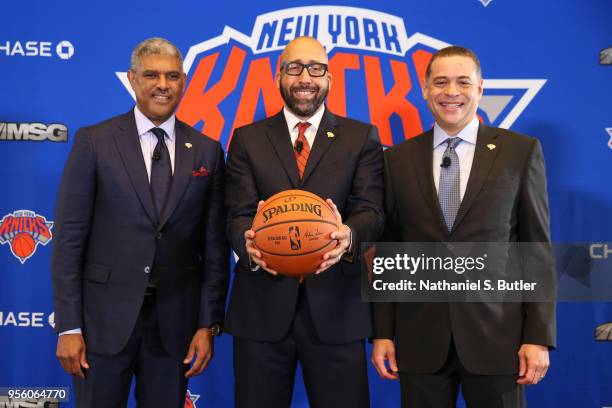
<point>320,322</point>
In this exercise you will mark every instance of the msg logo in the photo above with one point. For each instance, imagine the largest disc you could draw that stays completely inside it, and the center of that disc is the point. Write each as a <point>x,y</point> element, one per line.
<point>6,402</point>
<point>35,132</point>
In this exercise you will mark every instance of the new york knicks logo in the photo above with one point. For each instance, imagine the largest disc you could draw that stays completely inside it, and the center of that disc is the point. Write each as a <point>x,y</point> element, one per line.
<point>22,231</point>
<point>377,69</point>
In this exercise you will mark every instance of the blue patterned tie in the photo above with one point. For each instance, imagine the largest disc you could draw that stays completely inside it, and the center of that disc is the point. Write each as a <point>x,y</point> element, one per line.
<point>449,192</point>
<point>161,172</point>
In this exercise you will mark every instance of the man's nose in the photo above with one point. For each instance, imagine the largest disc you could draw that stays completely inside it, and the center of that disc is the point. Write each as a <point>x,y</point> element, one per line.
<point>451,88</point>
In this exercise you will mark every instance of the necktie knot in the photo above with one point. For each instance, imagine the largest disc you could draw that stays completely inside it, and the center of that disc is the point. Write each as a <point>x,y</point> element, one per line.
<point>159,133</point>
<point>452,142</point>
<point>302,126</point>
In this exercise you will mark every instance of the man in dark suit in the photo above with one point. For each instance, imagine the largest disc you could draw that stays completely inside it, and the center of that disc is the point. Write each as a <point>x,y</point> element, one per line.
<point>463,181</point>
<point>320,321</point>
<point>140,260</point>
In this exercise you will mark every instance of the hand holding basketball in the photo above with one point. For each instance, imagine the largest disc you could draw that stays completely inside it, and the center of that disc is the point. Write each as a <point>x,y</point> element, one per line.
<point>343,236</point>
<point>254,254</point>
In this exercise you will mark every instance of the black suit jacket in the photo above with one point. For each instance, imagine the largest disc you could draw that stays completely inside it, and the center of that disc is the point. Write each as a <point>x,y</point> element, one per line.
<point>505,201</point>
<point>348,168</point>
<point>108,237</point>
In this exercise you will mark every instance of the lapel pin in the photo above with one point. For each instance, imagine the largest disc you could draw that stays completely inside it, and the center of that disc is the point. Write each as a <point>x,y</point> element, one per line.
<point>491,146</point>
<point>188,145</point>
<point>330,134</point>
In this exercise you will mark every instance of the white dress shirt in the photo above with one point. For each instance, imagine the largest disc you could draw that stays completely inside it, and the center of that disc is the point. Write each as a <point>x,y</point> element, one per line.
<point>148,141</point>
<point>465,151</point>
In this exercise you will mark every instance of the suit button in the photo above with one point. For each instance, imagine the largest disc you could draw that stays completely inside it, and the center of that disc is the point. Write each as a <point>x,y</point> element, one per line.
<point>159,235</point>
<point>147,269</point>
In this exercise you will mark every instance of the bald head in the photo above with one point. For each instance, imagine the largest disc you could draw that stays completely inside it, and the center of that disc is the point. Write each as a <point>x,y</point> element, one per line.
<point>305,50</point>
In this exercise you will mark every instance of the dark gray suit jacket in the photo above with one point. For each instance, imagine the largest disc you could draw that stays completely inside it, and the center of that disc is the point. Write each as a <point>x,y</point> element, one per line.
<point>108,236</point>
<point>348,168</point>
<point>505,201</point>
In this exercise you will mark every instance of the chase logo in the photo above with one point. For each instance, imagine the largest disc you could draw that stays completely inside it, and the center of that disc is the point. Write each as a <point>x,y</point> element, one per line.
<point>22,231</point>
<point>63,49</point>
<point>377,70</point>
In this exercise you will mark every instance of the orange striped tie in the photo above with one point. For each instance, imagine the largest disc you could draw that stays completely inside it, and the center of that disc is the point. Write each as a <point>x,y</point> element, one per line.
<point>301,149</point>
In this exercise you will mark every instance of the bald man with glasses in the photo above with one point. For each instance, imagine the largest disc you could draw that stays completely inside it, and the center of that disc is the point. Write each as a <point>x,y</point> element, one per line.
<point>319,322</point>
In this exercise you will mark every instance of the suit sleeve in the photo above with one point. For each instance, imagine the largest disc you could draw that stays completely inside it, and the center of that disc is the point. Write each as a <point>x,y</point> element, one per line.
<point>241,197</point>
<point>365,201</point>
<point>539,323</point>
<point>216,250</point>
<point>384,312</point>
<point>73,218</point>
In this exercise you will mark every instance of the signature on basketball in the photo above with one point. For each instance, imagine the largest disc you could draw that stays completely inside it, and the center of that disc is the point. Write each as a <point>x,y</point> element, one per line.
<point>313,235</point>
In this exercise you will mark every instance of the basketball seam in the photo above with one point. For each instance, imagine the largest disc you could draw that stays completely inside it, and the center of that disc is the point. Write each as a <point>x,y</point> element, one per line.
<point>290,221</point>
<point>300,254</point>
<point>300,195</point>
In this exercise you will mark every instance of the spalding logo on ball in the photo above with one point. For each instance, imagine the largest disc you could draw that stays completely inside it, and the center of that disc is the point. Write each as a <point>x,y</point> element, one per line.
<point>293,231</point>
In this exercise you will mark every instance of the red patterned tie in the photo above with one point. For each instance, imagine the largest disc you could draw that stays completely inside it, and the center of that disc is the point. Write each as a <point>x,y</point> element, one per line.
<point>301,149</point>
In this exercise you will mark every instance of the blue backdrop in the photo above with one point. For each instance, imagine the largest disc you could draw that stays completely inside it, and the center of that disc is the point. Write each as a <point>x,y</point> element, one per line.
<point>63,66</point>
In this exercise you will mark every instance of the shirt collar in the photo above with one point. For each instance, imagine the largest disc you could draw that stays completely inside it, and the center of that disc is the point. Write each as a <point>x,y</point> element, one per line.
<point>314,120</point>
<point>144,124</point>
<point>467,134</point>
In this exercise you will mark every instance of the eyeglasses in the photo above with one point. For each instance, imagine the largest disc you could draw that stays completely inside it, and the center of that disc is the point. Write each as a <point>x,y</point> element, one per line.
<point>316,69</point>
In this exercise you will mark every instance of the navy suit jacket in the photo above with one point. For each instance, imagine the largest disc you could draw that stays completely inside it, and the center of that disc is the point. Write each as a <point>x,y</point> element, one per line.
<point>346,167</point>
<point>108,237</point>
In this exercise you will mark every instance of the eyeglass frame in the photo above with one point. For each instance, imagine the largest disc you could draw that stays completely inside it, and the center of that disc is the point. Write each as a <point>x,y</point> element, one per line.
<point>307,66</point>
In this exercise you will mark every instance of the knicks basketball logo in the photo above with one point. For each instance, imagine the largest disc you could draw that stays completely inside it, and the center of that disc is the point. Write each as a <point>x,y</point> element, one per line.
<point>22,231</point>
<point>376,67</point>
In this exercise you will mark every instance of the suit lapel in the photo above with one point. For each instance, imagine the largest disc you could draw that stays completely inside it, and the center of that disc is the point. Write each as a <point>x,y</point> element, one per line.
<point>321,143</point>
<point>183,165</point>
<point>279,137</point>
<point>422,160</point>
<point>128,144</point>
<point>481,166</point>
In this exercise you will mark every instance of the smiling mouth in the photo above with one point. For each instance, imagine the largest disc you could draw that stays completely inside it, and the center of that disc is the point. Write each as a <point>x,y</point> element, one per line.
<point>304,93</point>
<point>455,105</point>
<point>161,98</point>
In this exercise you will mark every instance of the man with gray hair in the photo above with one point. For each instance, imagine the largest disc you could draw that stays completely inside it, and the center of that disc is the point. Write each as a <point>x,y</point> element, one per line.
<point>140,262</point>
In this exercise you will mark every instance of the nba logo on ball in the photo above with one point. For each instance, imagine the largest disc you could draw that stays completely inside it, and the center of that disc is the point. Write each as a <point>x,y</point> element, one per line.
<point>293,231</point>
<point>294,236</point>
<point>22,231</point>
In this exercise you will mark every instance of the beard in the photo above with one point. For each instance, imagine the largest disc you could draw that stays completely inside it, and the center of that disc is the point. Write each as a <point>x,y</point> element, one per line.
<point>304,107</point>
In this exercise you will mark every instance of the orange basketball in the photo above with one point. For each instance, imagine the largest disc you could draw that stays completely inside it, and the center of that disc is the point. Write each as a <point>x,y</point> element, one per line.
<point>292,232</point>
<point>23,244</point>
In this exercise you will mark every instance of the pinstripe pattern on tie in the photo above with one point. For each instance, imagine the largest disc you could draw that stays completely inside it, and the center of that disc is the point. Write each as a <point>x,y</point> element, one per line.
<point>161,171</point>
<point>301,154</point>
<point>449,192</point>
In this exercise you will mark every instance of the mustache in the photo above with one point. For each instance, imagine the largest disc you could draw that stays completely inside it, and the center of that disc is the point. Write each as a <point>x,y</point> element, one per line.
<point>305,88</point>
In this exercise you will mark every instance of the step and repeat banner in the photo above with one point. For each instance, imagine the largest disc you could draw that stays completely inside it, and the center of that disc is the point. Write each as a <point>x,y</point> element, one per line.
<point>548,74</point>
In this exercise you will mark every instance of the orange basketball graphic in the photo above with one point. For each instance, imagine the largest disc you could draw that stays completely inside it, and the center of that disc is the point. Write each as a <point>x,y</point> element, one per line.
<point>23,245</point>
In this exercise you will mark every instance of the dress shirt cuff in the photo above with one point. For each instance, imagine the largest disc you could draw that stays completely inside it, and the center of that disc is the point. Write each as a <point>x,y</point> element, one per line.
<point>349,254</point>
<point>73,331</point>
